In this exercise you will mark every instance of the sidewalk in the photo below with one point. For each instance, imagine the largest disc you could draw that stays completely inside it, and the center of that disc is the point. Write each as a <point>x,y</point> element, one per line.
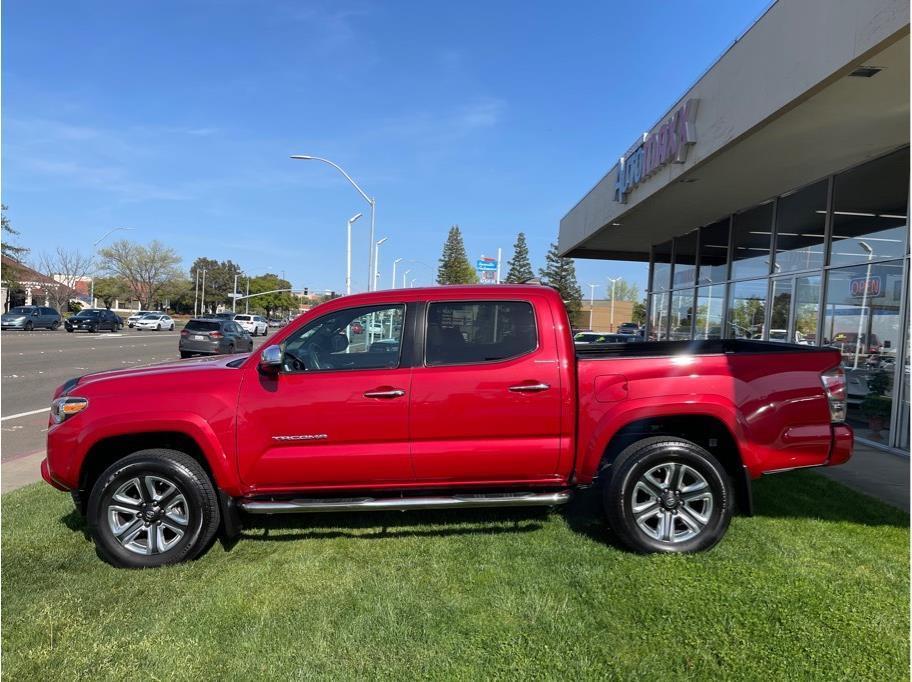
<point>19,472</point>
<point>880,474</point>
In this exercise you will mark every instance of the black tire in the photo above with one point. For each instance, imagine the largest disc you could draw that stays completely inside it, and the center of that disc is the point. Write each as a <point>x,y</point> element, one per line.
<point>634,475</point>
<point>185,354</point>
<point>29,326</point>
<point>55,325</point>
<point>254,332</point>
<point>69,331</point>
<point>171,328</point>
<point>201,508</point>
<point>230,349</point>
<point>92,330</point>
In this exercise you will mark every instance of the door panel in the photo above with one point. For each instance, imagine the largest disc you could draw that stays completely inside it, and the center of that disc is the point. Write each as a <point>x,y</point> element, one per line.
<point>491,420</point>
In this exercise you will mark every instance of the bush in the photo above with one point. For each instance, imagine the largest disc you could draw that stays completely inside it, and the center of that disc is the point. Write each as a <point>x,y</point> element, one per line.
<point>879,383</point>
<point>875,405</point>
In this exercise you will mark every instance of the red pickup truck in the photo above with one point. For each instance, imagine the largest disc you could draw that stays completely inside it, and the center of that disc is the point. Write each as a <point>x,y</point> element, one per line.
<point>450,397</point>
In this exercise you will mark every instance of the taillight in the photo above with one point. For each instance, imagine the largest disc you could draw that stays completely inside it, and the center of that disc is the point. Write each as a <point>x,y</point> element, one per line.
<point>184,332</point>
<point>215,335</point>
<point>834,384</point>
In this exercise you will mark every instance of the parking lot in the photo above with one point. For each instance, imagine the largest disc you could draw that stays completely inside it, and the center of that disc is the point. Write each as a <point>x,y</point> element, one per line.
<point>35,363</point>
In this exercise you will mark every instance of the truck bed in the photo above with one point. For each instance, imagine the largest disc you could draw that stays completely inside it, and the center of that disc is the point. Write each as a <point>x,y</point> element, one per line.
<point>595,351</point>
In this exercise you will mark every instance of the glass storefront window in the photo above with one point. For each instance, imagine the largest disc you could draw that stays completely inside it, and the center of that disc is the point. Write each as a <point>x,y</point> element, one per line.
<point>681,314</point>
<point>807,306</point>
<point>869,211</point>
<point>747,309</point>
<point>800,222</point>
<point>780,310</point>
<point>751,238</point>
<point>862,320</point>
<point>685,260</point>
<point>714,253</point>
<point>658,317</point>
<point>661,267</point>
<point>709,312</point>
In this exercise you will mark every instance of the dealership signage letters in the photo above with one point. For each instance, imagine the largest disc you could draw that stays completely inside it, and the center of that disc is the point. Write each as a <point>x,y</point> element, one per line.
<point>668,144</point>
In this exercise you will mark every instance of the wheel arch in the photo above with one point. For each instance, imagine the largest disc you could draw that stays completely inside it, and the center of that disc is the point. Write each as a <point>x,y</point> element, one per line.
<point>707,431</point>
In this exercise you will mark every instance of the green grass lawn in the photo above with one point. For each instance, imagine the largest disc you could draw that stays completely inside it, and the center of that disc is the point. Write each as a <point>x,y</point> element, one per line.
<point>814,586</point>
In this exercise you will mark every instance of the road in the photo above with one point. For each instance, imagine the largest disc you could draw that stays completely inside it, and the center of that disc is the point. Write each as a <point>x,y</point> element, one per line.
<point>35,363</point>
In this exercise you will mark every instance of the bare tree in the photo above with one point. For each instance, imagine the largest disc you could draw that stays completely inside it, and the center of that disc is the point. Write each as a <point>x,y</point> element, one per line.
<point>146,269</point>
<point>66,268</point>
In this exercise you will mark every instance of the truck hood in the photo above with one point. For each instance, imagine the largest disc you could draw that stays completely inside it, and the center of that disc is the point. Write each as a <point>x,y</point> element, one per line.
<point>176,368</point>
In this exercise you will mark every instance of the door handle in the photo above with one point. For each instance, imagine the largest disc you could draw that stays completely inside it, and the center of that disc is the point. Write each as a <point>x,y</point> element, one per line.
<point>385,393</point>
<point>530,388</point>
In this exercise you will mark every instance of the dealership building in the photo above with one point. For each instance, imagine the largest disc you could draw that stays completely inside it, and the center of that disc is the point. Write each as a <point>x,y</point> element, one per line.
<point>771,199</point>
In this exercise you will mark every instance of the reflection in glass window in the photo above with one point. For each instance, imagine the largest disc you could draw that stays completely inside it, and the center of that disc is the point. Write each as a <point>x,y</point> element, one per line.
<point>781,307</point>
<point>807,306</point>
<point>661,267</point>
<point>681,314</point>
<point>751,237</point>
<point>685,257</point>
<point>862,320</point>
<point>747,310</point>
<point>658,317</point>
<point>709,312</point>
<point>714,253</point>
<point>800,221</point>
<point>869,211</point>
<point>459,333</point>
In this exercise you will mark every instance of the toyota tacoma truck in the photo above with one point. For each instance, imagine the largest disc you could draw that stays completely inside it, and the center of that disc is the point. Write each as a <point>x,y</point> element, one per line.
<point>449,397</point>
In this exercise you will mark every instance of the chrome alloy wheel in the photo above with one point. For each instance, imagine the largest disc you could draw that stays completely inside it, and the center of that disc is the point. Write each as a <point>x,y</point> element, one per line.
<point>672,502</point>
<point>148,515</point>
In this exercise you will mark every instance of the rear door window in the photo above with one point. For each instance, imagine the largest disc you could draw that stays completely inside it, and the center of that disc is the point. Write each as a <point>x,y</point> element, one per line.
<point>460,332</point>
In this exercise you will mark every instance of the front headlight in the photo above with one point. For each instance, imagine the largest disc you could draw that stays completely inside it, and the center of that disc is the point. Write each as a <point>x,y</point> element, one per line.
<point>67,406</point>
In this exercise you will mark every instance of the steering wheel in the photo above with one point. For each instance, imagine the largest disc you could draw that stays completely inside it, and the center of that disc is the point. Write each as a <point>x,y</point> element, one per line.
<point>297,363</point>
<point>313,356</point>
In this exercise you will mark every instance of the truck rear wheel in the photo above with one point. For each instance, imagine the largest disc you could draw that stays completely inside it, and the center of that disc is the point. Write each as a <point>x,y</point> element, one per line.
<point>668,494</point>
<point>153,508</point>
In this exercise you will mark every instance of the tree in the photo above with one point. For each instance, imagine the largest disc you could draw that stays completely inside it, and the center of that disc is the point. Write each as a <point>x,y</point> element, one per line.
<point>454,263</point>
<point>67,268</point>
<point>624,291</point>
<point>274,302</point>
<point>177,294</point>
<point>520,267</point>
<point>10,274</point>
<point>560,273</point>
<point>111,289</point>
<point>219,280</point>
<point>145,269</point>
<point>638,314</point>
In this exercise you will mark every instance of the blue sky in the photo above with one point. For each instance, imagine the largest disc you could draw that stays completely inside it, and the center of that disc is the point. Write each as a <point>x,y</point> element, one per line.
<point>176,118</point>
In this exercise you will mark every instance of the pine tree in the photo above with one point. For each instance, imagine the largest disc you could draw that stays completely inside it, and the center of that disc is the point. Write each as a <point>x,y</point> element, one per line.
<point>520,267</point>
<point>454,264</point>
<point>560,273</point>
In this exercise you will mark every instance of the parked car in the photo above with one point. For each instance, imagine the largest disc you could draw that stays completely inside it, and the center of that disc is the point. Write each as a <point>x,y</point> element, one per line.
<point>138,315</point>
<point>604,337</point>
<point>487,404</point>
<point>276,323</point>
<point>213,337</point>
<point>93,320</point>
<point>255,324</point>
<point>156,322</point>
<point>628,328</point>
<point>29,317</point>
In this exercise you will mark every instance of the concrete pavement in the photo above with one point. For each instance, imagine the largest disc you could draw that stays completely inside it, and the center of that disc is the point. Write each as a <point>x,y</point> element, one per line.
<point>880,474</point>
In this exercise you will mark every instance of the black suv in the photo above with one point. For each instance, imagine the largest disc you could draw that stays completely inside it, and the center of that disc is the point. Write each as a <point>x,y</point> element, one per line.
<point>93,320</point>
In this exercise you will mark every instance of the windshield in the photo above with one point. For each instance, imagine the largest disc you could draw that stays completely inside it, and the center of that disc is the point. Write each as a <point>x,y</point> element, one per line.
<point>21,311</point>
<point>88,313</point>
<point>202,326</point>
<point>151,317</point>
<point>141,313</point>
<point>225,316</point>
<point>242,318</point>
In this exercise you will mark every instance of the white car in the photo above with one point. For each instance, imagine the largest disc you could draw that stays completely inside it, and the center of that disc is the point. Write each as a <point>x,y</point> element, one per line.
<point>155,321</point>
<point>253,324</point>
<point>137,316</point>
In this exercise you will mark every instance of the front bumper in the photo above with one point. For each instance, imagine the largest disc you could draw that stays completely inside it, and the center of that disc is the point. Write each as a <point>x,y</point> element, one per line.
<point>18,324</point>
<point>49,477</point>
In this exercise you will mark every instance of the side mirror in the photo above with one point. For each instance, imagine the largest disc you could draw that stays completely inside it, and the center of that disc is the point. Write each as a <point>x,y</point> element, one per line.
<point>271,360</point>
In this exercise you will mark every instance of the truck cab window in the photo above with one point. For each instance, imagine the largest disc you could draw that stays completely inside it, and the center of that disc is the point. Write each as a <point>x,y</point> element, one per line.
<point>355,338</point>
<point>463,333</point>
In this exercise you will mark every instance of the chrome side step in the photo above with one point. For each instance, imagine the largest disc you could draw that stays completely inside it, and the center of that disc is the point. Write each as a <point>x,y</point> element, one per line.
<point>521,499</point>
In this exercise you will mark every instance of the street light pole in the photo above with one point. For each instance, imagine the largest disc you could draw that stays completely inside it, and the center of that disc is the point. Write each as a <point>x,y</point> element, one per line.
<point>234,294</point>
<point>348,255</point>
<point>613,282</point>
<point>592,288</point>
<point>395,263</point>
<point>369,200</point>
<point>405,278</point>
<point>95,249</point>
<point>864,302</point>
<point>377,261</point>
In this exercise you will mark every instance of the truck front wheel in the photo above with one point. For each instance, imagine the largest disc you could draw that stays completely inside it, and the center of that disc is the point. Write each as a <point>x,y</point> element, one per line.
<point>152,508</point>
<point>668,494</point>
